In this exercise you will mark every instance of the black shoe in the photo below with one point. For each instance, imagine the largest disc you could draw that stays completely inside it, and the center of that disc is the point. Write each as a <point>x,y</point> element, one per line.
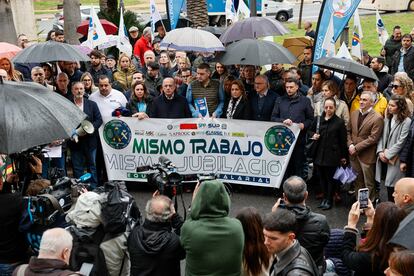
<point>323,203</point>
<point>327,206</point>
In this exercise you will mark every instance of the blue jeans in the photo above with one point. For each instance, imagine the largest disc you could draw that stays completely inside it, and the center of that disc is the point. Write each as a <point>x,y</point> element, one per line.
<point>7,269</point>
<point>53,163</point>
<point>84,160</point>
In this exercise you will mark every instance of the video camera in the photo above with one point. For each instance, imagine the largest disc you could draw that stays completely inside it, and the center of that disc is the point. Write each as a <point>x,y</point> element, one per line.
<point>166,178</point>
<point>45,208</point>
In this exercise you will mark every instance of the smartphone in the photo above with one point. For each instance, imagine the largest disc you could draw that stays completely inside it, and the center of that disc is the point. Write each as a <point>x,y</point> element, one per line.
<point>363,195</point>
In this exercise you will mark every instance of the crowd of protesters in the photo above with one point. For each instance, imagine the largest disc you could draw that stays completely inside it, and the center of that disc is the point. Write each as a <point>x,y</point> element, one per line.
<point>354,121</point>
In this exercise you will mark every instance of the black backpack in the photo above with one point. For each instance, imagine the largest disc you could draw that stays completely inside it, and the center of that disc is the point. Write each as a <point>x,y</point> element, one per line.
<point>86,242</point>
<point>116,211</point>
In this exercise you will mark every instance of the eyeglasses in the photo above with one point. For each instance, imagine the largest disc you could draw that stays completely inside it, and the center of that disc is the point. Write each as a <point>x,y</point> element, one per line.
<point>395,86</point>
<point>37,74</point>
<point>259,83</point>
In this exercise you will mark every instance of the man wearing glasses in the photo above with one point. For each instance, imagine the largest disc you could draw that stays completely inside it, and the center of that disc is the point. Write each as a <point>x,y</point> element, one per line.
<point>262,100</point>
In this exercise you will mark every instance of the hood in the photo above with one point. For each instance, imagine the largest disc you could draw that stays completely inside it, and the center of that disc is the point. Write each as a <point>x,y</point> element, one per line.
<point>153,236</point>
<point>384,69</point>
<point>211,201</point>
<point>301,211</point>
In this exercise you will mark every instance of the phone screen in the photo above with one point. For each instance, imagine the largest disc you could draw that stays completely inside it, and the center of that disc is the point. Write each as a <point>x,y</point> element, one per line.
<point>363,195</point>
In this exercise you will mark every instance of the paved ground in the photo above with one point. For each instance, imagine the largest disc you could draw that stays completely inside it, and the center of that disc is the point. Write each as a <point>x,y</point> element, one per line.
<point>260,198</point>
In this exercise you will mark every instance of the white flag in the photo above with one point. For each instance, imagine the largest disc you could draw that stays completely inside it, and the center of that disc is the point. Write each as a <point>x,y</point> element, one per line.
<point>96,33</point>
<point>356,49</point>
<point>123,43</point>
<point>343,52</point>
<point>155,15</point>
<point>230,11</point>
<point>243,11</point>
<point>328,42</point>
<point>382,32</point>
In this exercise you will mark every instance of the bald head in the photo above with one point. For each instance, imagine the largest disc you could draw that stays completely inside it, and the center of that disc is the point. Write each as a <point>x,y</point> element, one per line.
<point>158,209</point>
<point>56,243</point>
<point>295,190</point>
<point>404,192</point>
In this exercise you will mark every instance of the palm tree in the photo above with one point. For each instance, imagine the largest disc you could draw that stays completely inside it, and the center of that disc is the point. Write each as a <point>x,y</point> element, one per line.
<point>7,29</point>
<point>72,16</point>
<point>108,5</point>
<point>197,12</point>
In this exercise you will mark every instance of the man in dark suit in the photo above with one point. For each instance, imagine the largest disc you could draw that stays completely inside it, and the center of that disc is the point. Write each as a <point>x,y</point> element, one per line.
<point>83,152</point>
<point>262,100</point>
<point>293,108</point>
<point>364,131</point>
<point>170,105</point>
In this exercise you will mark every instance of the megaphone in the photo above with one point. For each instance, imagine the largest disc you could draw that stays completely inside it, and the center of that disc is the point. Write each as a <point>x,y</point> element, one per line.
<point>85,127</point>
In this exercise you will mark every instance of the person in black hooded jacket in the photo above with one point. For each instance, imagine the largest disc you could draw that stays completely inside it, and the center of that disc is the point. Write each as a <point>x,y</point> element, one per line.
<point>313,231</point>
<point>154,247</point>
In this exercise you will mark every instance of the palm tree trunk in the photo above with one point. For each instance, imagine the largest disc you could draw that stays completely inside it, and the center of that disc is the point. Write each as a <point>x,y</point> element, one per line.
<point>71,12</point>
<point>197,12</point>
<point>7,29</point>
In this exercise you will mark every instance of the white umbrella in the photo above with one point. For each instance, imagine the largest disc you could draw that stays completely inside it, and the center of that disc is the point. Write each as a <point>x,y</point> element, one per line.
<point>189,39</point>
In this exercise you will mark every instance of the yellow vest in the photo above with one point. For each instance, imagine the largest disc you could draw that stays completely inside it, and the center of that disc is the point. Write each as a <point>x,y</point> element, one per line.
<point>380,106</point>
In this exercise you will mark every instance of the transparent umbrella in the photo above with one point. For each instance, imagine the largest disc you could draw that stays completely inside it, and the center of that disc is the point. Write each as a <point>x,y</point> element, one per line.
<point>32,115</point>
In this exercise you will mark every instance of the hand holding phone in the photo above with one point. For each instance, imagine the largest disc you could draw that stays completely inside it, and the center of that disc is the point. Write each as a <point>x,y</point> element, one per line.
<point>363,196</point>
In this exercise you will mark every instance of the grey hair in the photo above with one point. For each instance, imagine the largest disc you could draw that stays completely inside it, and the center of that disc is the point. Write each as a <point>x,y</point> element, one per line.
<point>37,68</point>
<point>62,74</point>
<point>295,189</point>
<point>160,215</point>
<point>147,30</point>
<point>54,241</point>
<point>372,95</point>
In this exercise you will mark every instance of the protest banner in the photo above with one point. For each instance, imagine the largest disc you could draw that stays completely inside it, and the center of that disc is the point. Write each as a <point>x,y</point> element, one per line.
<point>245,152</point>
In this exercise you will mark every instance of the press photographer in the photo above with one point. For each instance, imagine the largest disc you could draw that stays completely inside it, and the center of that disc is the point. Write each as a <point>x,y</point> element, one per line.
<point>12,243</point>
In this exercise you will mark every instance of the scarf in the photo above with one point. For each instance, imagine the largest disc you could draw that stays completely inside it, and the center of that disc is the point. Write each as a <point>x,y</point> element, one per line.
<point>232,107</point>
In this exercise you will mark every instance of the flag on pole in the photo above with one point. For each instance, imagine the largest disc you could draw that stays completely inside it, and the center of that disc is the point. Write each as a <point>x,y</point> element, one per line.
<point>230,11</point>
<point>155,15</point>
<point>243,11</point>
<point>356,49</point>
<point>343,52</point>
<point>96,33</point>
<point>382,32</point>
<point>328,44</point>
<point>123,43</point>
<point>174,8</point>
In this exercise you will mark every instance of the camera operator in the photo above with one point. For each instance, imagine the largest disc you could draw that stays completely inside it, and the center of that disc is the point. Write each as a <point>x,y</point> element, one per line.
<point>12,243</point>
<point>33,230</point>
<point>154,246</point>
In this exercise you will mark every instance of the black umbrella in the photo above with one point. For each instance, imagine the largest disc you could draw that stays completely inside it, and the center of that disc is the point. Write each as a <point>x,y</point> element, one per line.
<point>346,66</point>
<point>50,51</point>
<point>255,52</point>
<point>404,234</point>
<point>32,115</point>
<point>182,22</point>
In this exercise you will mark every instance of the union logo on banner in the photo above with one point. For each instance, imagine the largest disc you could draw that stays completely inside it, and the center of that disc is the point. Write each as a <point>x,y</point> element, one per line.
<point>341,7</point>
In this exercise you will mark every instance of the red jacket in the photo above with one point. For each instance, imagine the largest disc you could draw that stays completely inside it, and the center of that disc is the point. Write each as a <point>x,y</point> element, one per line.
<point>141,46</point>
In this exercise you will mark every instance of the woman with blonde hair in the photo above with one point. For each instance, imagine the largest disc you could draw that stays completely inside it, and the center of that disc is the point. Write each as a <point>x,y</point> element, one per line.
<point>12,74</point>
<point>403,86</point>
<point>124,72</point>
<point>88,83</point>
